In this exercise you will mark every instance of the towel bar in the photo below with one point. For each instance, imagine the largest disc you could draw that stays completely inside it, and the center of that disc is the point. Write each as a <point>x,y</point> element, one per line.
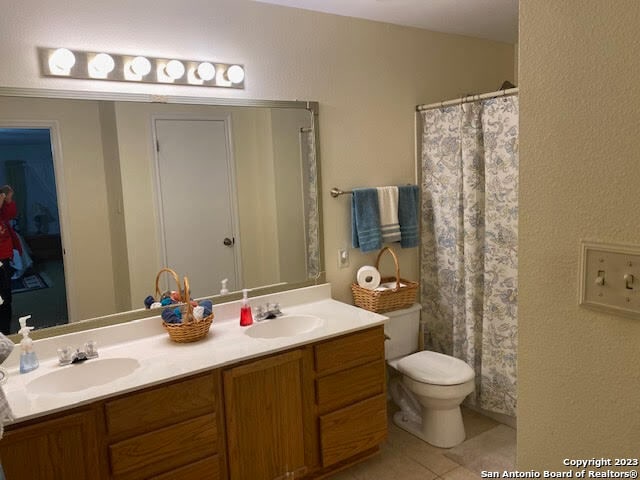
<point>336,192</point>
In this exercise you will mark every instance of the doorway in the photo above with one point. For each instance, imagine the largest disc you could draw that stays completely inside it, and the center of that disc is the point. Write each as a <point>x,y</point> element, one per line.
<point>196,202</point>
<point>38,277</point>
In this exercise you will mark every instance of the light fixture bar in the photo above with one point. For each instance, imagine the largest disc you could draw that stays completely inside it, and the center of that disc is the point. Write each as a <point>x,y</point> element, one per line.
<point>86,65</point>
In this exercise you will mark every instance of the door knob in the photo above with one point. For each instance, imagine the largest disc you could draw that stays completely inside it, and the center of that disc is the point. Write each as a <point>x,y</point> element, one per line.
<point>228,241</point>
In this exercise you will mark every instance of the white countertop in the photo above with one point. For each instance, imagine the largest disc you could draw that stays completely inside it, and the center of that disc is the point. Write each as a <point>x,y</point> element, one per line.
<point>162,360</point>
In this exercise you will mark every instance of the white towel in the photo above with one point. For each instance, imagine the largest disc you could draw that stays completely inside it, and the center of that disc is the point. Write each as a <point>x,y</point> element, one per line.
<point>388,206</point>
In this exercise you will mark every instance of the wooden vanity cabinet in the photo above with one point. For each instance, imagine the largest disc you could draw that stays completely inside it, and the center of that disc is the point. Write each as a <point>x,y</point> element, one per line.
<point>171,431</point>
<point>265,418</point>
<point>309,411</point>
<point>61,447</point>
<point>303,413</point>
<point>350,396</point>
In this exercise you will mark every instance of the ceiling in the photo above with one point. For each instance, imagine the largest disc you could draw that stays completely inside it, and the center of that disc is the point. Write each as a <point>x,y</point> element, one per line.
<point>488,19</point>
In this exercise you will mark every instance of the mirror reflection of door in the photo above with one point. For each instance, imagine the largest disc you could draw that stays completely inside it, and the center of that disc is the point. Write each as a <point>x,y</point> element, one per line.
<point>195,202</point>
<point>38,279</point>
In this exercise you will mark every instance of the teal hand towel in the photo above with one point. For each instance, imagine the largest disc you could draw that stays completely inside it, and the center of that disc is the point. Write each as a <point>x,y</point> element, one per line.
<point>365,220</point>
<point>408,200</point>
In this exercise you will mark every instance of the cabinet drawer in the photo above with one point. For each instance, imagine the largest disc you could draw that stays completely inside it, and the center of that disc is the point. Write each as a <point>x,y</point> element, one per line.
<point>353,429</point>
<point>165,449</point>
<point>161,406</point>
<point>208,468</point>
<point>349,351</point>
<point>349,386</point>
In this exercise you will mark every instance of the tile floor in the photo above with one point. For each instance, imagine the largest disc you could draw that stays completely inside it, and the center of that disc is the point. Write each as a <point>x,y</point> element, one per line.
<point>405,457</point>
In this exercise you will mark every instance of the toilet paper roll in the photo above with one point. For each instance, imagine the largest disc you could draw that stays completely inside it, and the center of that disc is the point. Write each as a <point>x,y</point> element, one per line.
<point>368,277</point>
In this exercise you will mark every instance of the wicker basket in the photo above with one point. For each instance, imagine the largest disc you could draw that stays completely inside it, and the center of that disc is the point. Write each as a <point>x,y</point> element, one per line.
<point>381,301</point>
<point>189,330</point>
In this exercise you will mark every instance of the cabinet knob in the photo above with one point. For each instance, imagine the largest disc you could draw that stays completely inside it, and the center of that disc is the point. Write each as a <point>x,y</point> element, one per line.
<point>628,281</point>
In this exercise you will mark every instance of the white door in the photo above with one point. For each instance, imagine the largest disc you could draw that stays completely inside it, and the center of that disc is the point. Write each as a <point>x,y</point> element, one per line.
<point>196,208</point>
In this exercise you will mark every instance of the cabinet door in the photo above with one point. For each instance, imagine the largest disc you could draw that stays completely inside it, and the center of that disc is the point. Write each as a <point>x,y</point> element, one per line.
<point>65,447</point>
<point>263,403</point>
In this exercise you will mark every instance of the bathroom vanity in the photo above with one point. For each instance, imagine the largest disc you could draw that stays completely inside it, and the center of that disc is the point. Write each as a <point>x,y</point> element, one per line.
<point>265,408</point>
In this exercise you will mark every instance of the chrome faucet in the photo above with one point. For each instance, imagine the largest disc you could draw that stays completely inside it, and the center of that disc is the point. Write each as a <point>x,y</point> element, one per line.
<point>266,312</point>
<point>68,355</point>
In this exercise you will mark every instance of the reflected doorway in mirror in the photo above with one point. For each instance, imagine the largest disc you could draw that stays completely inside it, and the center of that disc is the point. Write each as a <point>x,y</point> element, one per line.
<point>196,205</point>
<point>37,270</point>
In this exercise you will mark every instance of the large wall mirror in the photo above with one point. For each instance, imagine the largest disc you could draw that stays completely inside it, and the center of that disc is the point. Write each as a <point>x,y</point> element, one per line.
<point>111,188</point>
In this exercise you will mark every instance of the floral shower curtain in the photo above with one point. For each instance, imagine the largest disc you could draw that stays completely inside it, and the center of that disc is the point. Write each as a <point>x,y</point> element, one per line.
<point>469,242</point>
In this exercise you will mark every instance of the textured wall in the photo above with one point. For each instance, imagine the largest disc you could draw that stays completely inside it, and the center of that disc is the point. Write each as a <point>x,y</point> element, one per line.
<point>579,374</point>
<point>367,76</point>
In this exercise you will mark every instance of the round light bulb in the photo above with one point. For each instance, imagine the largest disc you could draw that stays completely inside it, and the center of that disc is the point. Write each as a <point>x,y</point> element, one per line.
<point>62,60</point>
<point>235,73</point>
<point>101,65</point>
<point>140,66</point>
<point>206,71</point>
<point>174,69</point>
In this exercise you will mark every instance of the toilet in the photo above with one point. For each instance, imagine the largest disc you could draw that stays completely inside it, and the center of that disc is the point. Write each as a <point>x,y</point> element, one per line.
<point>431,386</point>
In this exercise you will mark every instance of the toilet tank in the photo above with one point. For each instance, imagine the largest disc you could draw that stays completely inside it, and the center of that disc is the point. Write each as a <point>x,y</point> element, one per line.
<point>402,328</point>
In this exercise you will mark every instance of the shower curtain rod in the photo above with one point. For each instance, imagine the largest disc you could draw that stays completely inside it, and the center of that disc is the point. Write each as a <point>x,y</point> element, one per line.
<point>468,99</point>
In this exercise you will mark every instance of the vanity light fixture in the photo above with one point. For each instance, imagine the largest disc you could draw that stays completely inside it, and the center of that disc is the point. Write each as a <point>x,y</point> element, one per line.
<point>206,71</point>
<point>101,65</point>
<point>140,66</point>
<point>63,62</point>
<point>235,74</point>
<point>174,69</point>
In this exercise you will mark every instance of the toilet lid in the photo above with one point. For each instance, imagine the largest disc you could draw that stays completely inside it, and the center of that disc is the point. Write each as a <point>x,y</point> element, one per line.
<point>435,368</point>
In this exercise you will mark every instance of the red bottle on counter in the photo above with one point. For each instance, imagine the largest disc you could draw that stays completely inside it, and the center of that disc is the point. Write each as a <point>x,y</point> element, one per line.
<point>246,317</point>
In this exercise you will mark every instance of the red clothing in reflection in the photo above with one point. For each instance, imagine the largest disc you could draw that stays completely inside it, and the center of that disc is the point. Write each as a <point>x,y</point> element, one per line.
<point>8,238</point>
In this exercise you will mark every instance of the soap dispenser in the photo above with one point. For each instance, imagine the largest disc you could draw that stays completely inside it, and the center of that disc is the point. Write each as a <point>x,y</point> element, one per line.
<point>223,286</point>
<point>246,317</point>
<point>28,358</point>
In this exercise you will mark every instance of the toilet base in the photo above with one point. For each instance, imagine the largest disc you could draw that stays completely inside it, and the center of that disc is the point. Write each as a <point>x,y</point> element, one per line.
<point>440,428</point>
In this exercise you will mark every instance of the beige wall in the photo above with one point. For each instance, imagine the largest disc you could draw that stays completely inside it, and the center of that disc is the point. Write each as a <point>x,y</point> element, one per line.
<point>84,207</point>
<point>579,101</point>
<point>367,77</point>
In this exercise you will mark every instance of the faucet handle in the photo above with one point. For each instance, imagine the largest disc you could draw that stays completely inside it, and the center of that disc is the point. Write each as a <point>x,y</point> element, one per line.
<point>276,309</point>
<point>91,349</point>
<point>65,355</point>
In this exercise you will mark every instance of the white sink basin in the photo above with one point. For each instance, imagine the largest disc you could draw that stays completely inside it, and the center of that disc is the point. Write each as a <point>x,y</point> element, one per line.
<point>81,376</point>
<point>285,326</point>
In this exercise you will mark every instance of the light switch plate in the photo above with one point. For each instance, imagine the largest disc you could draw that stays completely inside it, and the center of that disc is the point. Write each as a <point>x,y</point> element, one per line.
<point>610,278</point>
<point>343,258</point>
